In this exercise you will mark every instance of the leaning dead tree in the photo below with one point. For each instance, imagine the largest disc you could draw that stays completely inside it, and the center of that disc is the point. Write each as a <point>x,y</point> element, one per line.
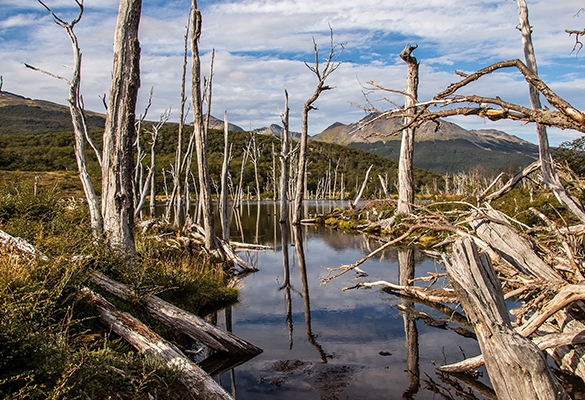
<point>405,165</point>
<point>331,64</point>
<point>549,174</point>
<point>78,119</point>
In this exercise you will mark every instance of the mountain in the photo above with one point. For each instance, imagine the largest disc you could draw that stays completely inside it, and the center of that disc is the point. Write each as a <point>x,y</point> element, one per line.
<point>276,130</point>
<point>444,147</point>
<point>21,115</point>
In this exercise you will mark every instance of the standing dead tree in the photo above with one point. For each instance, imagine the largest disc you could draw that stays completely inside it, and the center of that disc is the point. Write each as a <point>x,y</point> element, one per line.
<point>223,198</point>
<point>331,64</point>
<point>175,203</point>
<point>200,132</point>
<point>255,152</point>
<point>405,166</point>
<point>284,156</point>
<point>117,164</point>
<point>78,119</point>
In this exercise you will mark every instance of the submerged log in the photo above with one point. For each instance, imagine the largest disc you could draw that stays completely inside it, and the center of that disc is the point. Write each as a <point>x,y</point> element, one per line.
<point>516,366</point>
<point>183,321</point>
<point>200,384</point>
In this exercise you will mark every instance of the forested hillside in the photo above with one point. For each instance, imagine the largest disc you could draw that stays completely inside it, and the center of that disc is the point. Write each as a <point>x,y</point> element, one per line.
<point>54,152</point>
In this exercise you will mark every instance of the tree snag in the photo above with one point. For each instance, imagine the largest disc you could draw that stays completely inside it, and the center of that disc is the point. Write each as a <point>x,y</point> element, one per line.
<point>405,180</point>
<point>199,132</point>
<point>331,64</point>
<point>118,162</point>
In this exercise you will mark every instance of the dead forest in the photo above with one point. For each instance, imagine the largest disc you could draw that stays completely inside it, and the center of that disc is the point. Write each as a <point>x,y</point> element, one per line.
<point>492,251</point>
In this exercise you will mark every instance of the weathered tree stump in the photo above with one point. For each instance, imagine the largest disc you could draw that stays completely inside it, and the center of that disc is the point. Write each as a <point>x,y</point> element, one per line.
<point>516,366</point>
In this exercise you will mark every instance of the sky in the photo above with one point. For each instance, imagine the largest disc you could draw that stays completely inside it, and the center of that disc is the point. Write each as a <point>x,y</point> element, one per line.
<point>262,45</point>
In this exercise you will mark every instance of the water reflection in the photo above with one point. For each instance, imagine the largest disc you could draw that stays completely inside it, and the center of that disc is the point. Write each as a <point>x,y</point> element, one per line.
<point>356,344</point>
<point>305,288</point>
<point>405,274</point>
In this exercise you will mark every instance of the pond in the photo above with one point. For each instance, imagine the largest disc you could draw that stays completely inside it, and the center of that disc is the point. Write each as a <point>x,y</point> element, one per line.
<point>321,342</point>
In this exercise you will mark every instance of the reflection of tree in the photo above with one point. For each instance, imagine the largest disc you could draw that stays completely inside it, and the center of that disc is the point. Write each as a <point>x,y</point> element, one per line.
<point>305,288</point>
<point>286,283</point>
<point>406,272</point>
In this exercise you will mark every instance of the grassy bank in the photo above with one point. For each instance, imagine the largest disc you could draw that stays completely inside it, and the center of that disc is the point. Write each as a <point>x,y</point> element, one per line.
<point>53,346</point>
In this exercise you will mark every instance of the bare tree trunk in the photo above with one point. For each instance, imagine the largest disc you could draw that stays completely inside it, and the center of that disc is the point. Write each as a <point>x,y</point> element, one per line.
<point>223,198</point>
<point>549,173</point>
<point>359,195</point>
<point>284,155</point>
<point>175,201</point>
<point>331,65</point>
<point>79,123</point>
<point>200,135</point>
<point>516,366</point>
<point>405,180</point>
<point>117,168</point>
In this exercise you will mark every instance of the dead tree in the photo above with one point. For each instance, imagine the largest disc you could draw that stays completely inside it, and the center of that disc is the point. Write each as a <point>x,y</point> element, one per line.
<point>118,162</point>
<point>516,366</point>
<point>284,156</point>
<point>78,119</point>
<point>223,198</point>
<point>405,180</point>
<point>175,202</point>
<point>200,134</point>
<point>331,64</point>
<point>255,152</point>
<point>549,173</point>
<point>361,192</point>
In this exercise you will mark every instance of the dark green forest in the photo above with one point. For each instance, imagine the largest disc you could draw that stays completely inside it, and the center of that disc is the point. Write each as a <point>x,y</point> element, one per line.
<point>53,151</point>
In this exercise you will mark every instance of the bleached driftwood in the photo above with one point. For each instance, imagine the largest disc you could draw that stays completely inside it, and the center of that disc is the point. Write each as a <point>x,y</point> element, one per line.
<point>179,319</point>
<point>199,383</point>
<point>516,366</point>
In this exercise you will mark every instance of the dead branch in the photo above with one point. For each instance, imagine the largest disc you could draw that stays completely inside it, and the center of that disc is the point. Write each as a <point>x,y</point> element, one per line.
<point>432,295</point>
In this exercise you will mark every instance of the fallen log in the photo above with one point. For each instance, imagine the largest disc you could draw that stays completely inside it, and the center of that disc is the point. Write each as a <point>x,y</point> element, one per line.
<point>181,320</point>
<point>516,366</point>
<point>199,383</point>
<point>493,229</point>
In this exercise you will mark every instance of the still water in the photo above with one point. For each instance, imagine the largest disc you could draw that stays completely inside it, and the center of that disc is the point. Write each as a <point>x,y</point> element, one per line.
<point>319,341</point>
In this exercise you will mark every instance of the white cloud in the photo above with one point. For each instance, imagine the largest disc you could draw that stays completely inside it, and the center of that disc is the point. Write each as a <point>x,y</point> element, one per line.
<point>261,46</point>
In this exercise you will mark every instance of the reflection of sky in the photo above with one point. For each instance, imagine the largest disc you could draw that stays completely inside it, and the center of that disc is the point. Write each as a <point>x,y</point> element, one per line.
<point>351,326</point>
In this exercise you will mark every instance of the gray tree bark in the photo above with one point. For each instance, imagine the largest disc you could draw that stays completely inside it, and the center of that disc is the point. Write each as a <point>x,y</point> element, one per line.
<point>549,173</point>
<point>79,122</point>
<point>200,134</point>
<point>223,198</point>
<point>284,163</point>
<point>405,180</point>
<point>516,366</point>
<point>118,163</point>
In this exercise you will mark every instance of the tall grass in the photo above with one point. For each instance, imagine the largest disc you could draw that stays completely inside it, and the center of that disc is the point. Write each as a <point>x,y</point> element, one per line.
<point>51,344</point>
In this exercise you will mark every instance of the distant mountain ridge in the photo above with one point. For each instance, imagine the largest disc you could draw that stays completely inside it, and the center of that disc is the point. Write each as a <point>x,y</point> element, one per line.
<point>275,130</point>
<point>22,115</point>
<point>443,148</point>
